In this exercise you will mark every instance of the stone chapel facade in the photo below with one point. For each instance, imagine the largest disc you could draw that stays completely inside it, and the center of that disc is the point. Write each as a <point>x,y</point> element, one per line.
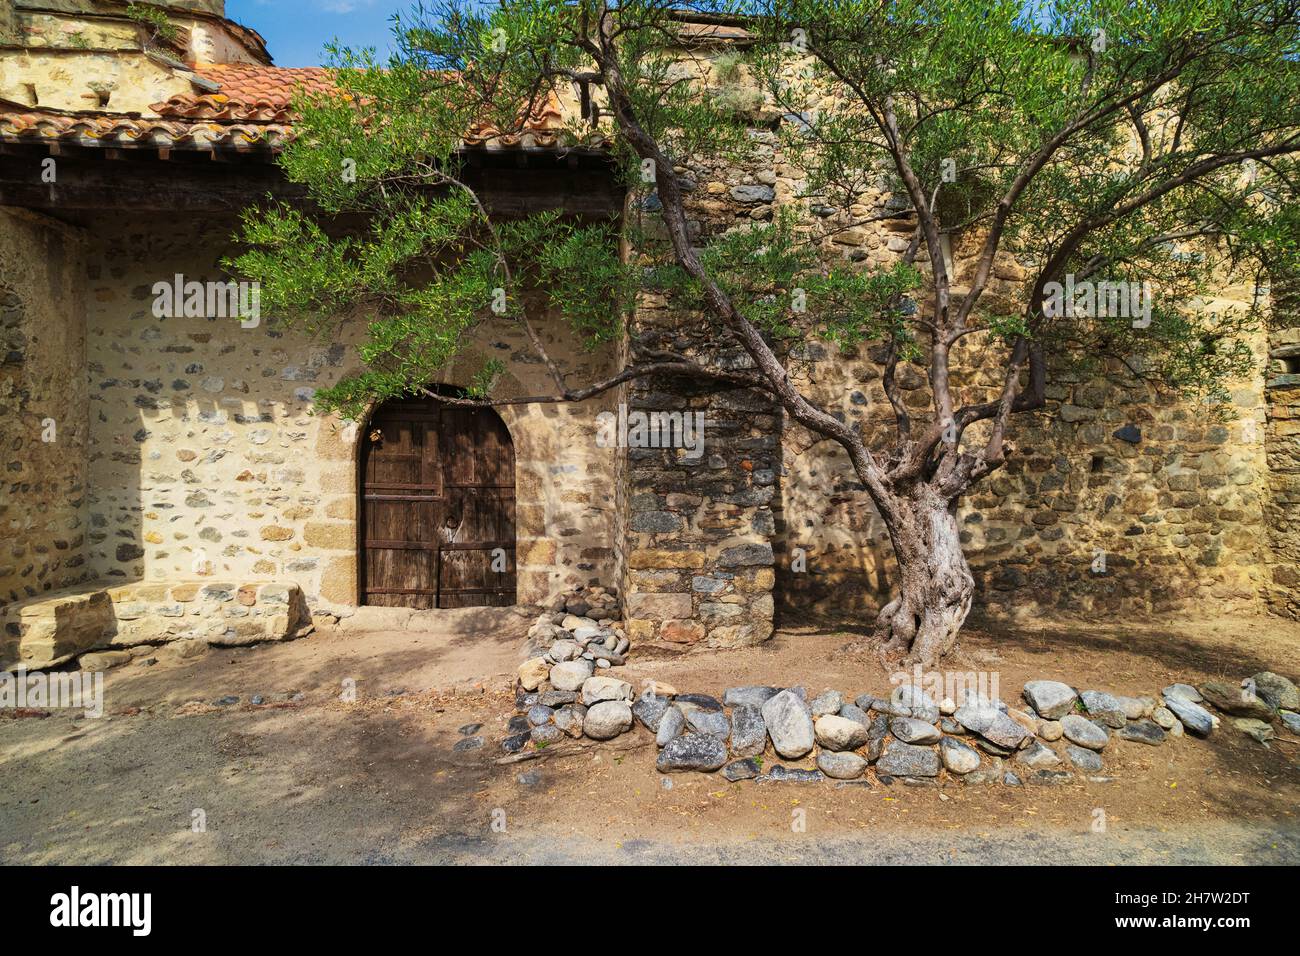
<point>165,477</point>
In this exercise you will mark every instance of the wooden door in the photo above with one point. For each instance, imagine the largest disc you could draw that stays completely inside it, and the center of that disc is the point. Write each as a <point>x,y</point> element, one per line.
<point>437,507</point>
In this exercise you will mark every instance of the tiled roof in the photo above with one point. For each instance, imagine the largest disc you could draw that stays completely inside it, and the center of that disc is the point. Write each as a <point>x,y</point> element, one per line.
<point>248,92</point>
<point>84,128</point>
<point>252,110</point>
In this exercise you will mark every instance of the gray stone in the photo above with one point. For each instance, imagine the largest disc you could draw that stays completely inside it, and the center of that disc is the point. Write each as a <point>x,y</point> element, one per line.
<point>1050,730</point>
<point>746,769</point>
<point>607,719</point>
<point>570,719</point>
<point>876,735</point>
<point>547,734</point>
<point>1010,779</point>
<point>985,718</point>
<point>1236,701</point>
<point>557,698</point>
<point>604,656</point>
<point>991,748</point>
<point>751,696</point>
<point>908,760</point>
<point>841,766</point>
<point>827,702</point>
<point>469,743</point>
<point>854,712</point>
<point>523,700</point>
<point>839,733</point>
<point>1082,731</point>
<point>950,726</point>
<point>780,774</point>
<point>913,701</point>
<point>649,709</point>
<point>977,777</point>
<point>464,729</point>
<point>1257,729</point>
<point>1135,708</point>
<point>565,650</point>
<point>519,724</point>
<point>1185,691</point>
<point>538,715</point>
<point>1038,756</point>
<point>883,705</point>
<point>911,730</point>
<point>671,724</point>
<point>958,756</point>
<point>1279,692</point>
<point>750,194</point>
<point>1104,707</point>
<point>570,675</point>
<point>746,556</point>
<point>1290,721</point>
<point>748,732</point>
<point>687,702</point>
<point>1142,732</point>
<point>1164,717</point>
<point>596,689</point>
<point>515,742</point>
<point>865,702</point>
<point>789,724</point>
<point>1085,760</point>
<point>710,722</point>
<point>1191,715</point>
<point>692,752</point>
<point>1050,699</point>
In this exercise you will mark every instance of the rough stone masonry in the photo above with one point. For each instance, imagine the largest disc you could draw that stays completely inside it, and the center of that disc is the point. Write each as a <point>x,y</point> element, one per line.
<point>185,451</point>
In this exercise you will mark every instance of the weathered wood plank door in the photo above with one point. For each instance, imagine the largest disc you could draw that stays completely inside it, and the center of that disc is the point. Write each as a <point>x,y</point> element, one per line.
<point>437,507</point>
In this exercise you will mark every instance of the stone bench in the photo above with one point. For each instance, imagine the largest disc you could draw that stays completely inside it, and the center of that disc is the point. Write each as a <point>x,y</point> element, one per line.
<point>56,627</point>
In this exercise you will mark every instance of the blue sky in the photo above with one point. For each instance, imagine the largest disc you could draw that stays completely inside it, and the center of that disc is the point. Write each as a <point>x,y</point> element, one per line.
<point>296,31</point>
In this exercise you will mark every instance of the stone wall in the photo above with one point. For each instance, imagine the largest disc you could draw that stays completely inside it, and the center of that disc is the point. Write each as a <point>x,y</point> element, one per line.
<point>1116,499</point>
<point>1171,501</point>
<point>700,530</point>
<point>43,426</point>
<point>70,59</point>
<point>206,459</point>
<point>1282,443</point>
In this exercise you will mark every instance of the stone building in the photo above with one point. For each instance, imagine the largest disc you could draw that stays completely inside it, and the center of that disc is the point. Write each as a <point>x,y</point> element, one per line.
<point>164,476</point>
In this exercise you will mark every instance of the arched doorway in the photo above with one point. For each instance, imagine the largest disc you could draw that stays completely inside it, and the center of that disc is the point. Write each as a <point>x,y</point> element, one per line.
<point>437,507</point>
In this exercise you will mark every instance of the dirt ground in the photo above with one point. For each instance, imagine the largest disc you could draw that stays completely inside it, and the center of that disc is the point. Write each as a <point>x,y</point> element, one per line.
<point>305,777</point>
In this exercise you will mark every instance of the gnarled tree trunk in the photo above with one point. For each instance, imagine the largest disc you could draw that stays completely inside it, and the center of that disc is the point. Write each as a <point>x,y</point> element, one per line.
<point>935,585</point>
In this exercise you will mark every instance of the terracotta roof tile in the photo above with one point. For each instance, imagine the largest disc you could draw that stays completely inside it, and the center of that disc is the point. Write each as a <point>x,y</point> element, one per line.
<point>109,129</point>
<point>248,92</point>
<point>252,110</point>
